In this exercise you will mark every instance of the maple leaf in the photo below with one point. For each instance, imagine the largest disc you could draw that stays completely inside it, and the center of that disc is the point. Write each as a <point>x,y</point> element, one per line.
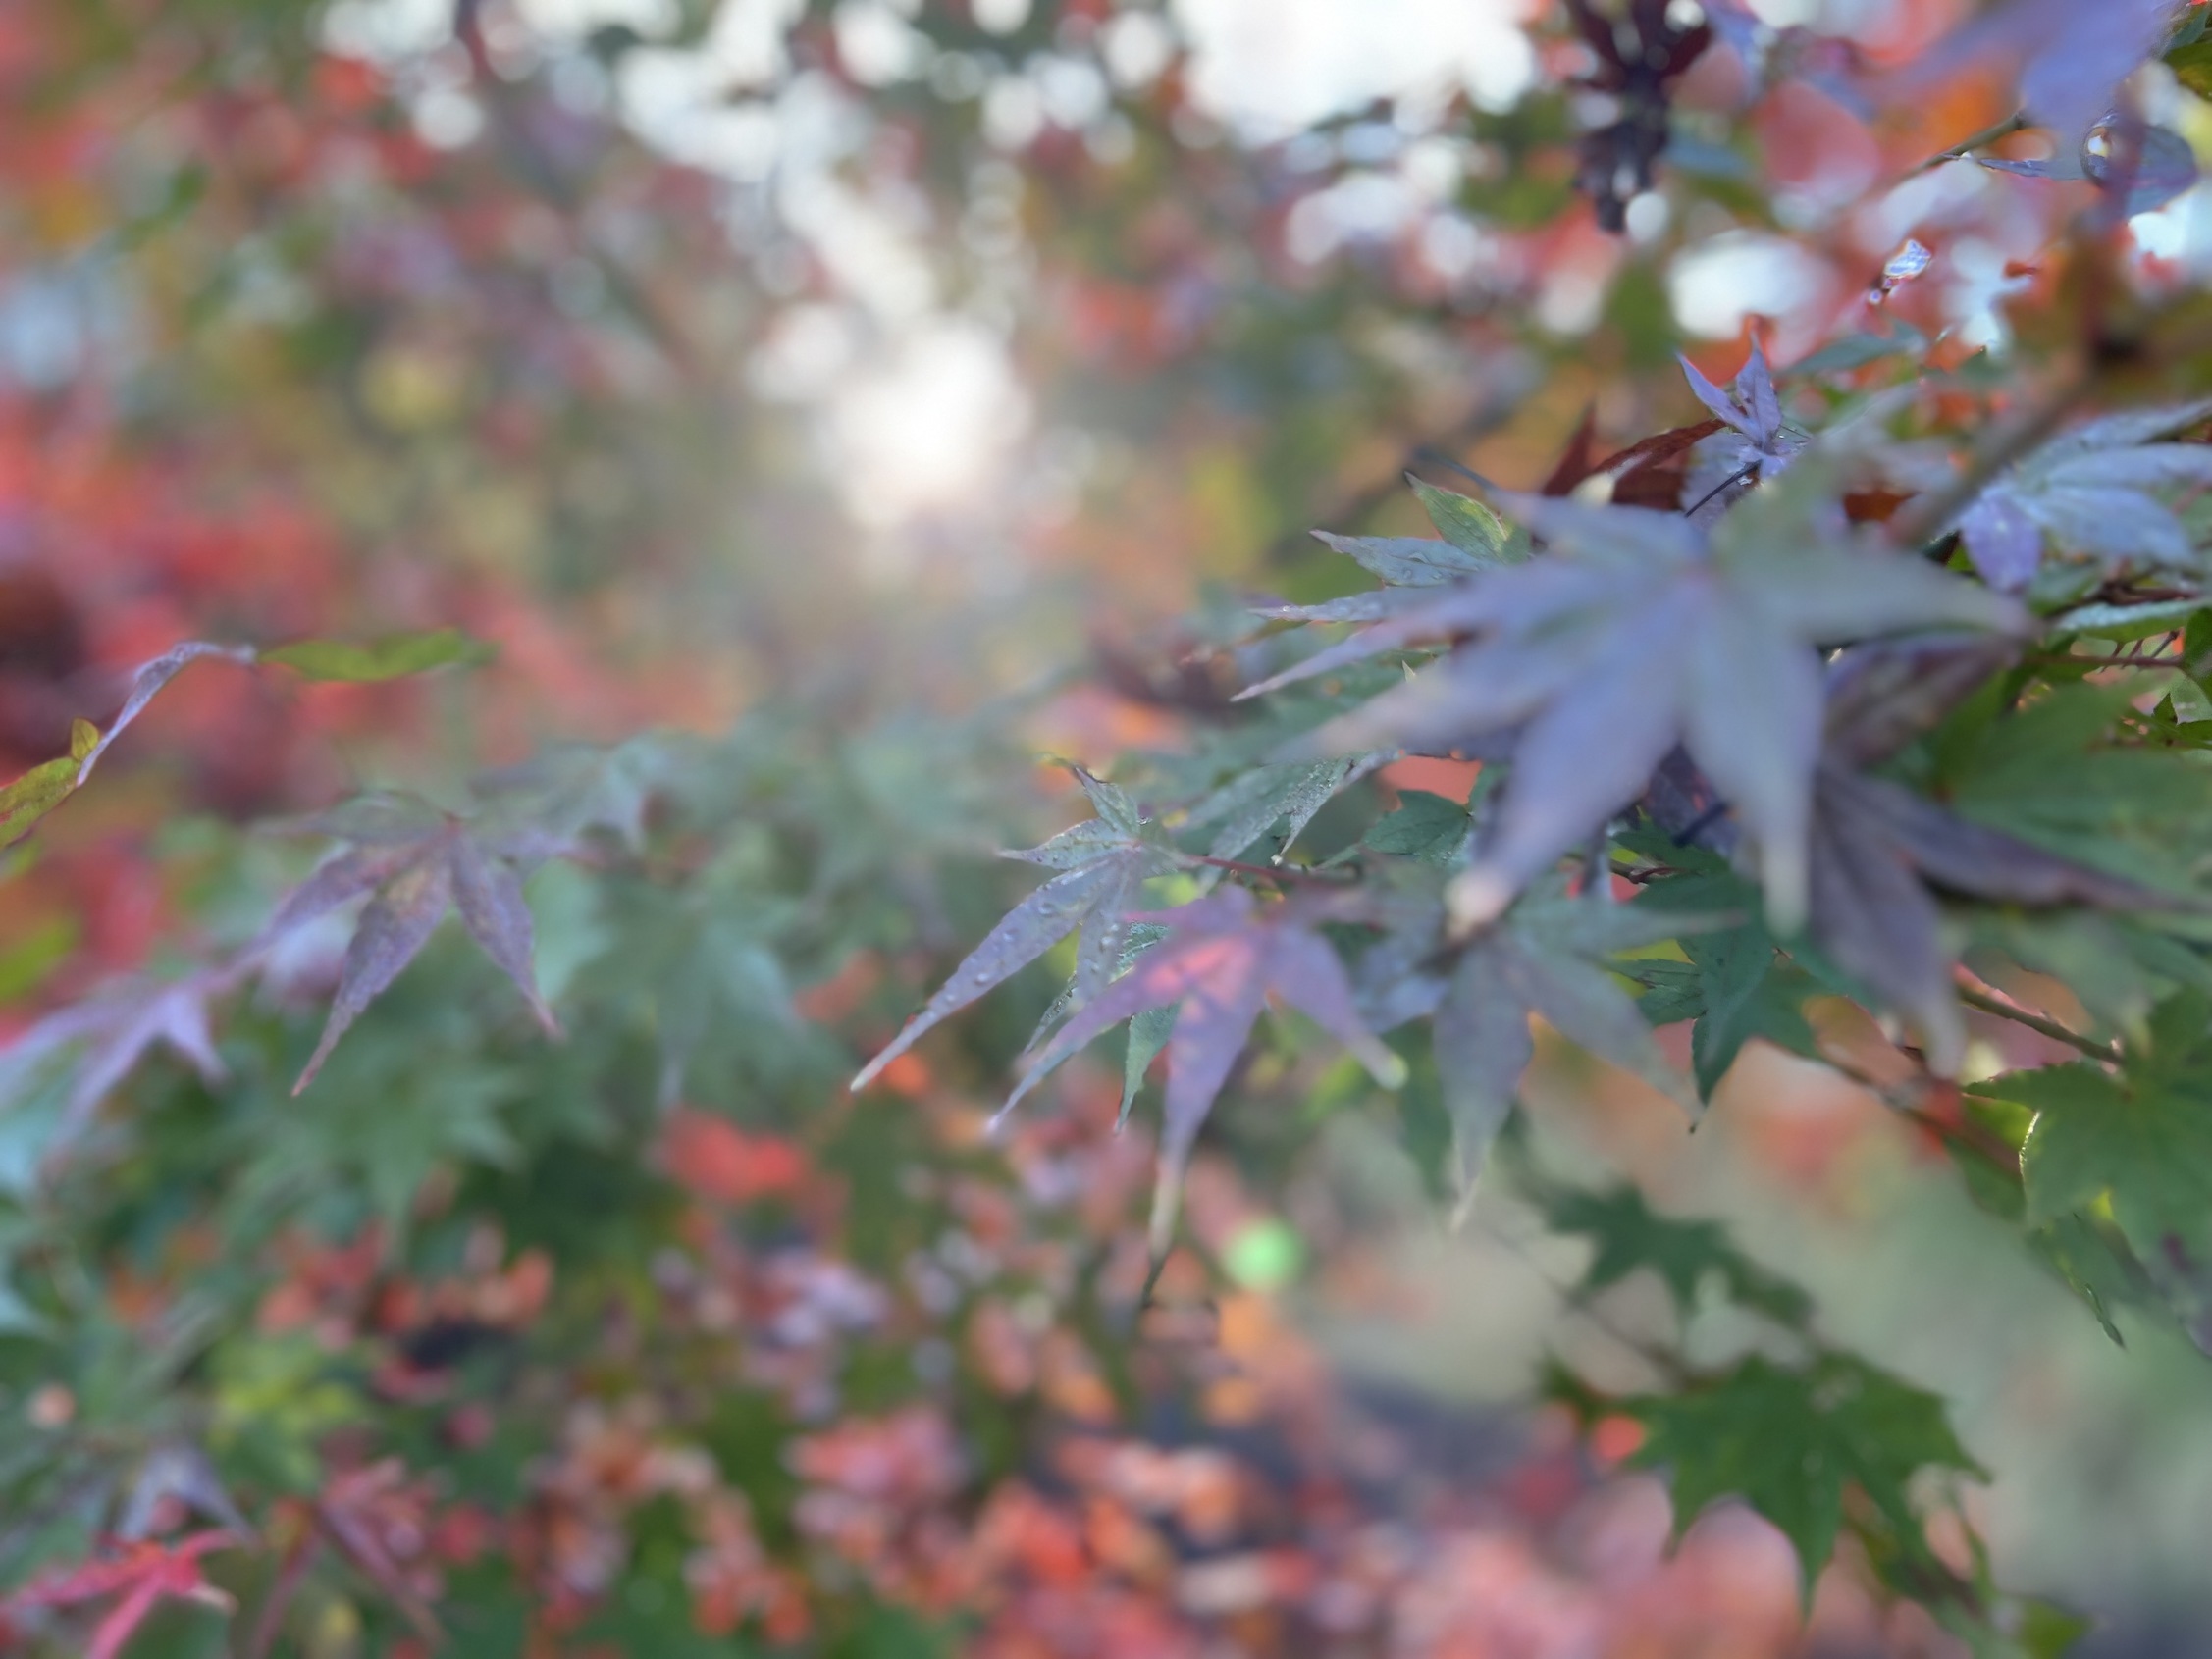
<point>1546,955</point>
<point>2057,771</point>
<point>1104,864</point>
<point>2165,168</point>
<point>45,787</point>
<point>1738,985</point>
<point>1475,539</point>
<point>2069,58</point>
<point>139,1576</point>
<point>1639,632</point>
<point>2091,491</point>
<point>1880,852</point>
<point>566,793</point>
<point>1629,1237</point>
<point>1649,473</point>
<point>1759,443</point>
<point>1790,1443</point>
<point>1291,794</point>
<point>1220,962</point>
<point>2140,1138</point>
<point>176,1479</point>
<point>413,863</point>
<point>109,1032</point>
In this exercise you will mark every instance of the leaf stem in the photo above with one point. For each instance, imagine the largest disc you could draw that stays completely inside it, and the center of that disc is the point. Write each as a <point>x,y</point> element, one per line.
<point>2035,1022</point>
<point>1969,1136</point>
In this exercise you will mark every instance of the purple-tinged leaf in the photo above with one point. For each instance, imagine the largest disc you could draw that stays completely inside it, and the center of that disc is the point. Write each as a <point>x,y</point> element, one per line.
<point>1640,631</point>
<point>1528,594</point>
<point>1881,925</point>
<point>393,928</point>
<point>1585,1005</point>
<point>1484,687</point>
<point>147,684</point>
<point>1714,400</point>
<point>115,1027</point>
<point>2069,58</point>
<point>1580,761</point>
<point>1754,390</point>
<point>2119,526</point>
<point>1036,924</point>
<point>487,894</point>
<point>1754,722</point>
<point>2090,492</point>
<point>1483,1047</point>
<point>1218,963</point>
<point>176,1476</point>
<point>2147,466</point>
<point>2033,167</point>
<point>1305,971</point>
<point>1216,1017</point>
<point>1884,694</point>
<point>2004,544</point>
<point>2165,170</point>
<point>337,880</point>
<point>1987,863</point>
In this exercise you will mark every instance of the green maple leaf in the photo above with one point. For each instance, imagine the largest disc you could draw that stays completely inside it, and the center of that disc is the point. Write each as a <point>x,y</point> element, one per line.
<point>1549,955</point>
<point>2140,1138</point>
<point>1791,1444</point>
<point>1426,827</point>
<point>1736,982</point>
<point>1629,1236</point>
<point>1748,990</point>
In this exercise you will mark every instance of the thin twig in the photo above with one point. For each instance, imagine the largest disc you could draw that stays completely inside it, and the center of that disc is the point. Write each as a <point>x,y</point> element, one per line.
<point>2050,1028</point>
<point>1734,479</point>
<point>1900,1100</point>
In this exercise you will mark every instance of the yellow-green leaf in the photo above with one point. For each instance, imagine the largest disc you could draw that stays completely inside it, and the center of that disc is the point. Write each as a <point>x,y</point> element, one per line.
<point>392,657</point>
<point>35,795</point>
<point>84,738</point>
<point>2192,67</point>
<point>1467,523</point>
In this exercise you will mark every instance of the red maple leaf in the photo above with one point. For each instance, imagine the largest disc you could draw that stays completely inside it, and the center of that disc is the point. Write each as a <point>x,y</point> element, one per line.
<point>138,1576</point>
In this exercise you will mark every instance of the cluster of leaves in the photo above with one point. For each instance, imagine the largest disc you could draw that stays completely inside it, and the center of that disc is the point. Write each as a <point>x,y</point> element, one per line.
<point>1677,794</point>
<point>395,1331</point>
<point>1826,762</point>
<point>473,1338</point>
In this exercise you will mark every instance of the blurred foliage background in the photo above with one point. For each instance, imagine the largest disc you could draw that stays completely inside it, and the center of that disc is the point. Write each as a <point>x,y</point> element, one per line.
<point>893,376</point>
